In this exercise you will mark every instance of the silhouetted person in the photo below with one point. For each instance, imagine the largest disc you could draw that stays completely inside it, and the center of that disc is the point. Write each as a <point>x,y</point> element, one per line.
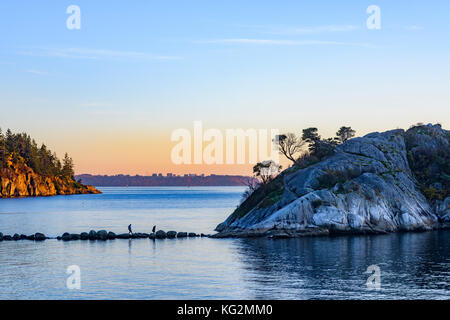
<point>154,229</point>
<point>129,230</point>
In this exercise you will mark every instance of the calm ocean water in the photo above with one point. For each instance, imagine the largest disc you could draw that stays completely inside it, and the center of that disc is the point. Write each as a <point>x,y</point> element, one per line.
<point>413,265</point>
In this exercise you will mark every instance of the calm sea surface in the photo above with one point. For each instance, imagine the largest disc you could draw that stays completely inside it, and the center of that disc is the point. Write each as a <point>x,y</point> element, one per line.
<point>413,265</point>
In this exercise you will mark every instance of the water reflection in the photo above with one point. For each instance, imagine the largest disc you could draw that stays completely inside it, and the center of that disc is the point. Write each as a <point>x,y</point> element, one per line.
<point>412,266</point>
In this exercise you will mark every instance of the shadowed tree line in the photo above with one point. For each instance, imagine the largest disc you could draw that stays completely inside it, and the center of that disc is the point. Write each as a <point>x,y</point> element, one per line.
<point>20,148</point>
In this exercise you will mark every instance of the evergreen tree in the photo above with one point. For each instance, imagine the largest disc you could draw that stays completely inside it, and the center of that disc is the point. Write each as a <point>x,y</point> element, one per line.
<point>67,167</point>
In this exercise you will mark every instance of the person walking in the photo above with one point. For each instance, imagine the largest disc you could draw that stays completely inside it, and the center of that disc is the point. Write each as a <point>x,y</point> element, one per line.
<point>129,230</point>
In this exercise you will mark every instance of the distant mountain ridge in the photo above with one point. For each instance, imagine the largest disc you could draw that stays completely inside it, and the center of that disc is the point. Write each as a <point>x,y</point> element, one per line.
<point>162,181</point>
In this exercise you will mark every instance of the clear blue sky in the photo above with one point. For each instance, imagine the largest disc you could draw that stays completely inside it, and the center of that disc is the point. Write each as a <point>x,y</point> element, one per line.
<point>136,70</point>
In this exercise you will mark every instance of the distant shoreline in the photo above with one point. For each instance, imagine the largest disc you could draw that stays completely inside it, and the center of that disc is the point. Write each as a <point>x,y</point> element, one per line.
<point>164,181</point>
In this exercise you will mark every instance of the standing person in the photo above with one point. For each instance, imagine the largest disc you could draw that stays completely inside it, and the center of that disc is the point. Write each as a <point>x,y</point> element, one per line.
<point>129,230</point>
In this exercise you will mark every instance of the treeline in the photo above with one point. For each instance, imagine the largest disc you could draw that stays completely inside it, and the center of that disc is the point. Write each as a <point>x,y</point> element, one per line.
<point>303,150</point>
<point>19,147</point>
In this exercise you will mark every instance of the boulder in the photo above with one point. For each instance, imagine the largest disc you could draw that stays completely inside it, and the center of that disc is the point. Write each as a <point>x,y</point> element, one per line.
<point>171,234</point>
<point>182,234</point>
<point>102,235</point>
<point>75,236</point>
<point>124,236</point>
<point>160,234</point>
<point>152,236</point>
<point>139,235</point>
<point>84,236</point>
<point>92,235</point>
<point>39,236</point>
<point>66,237</point>
<point>192,234</point>
<point>23,237</point>
<point>16,237</point>
<point>30,237</point>
<point>7,238</point>
<point>1,236</point>
<point>111,235</point>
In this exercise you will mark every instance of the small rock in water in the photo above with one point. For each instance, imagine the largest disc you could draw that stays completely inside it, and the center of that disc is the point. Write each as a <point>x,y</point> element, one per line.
<point>111,235</point>
<point>92,235</point>
<point>31,237</point>
<point>23,237</point>
<point>171,234</point>
<point>160,234</point>
<point>39,236</point>
<point>124,236</point>
<point>102,235</point>
<point>66,236</point>
<point>192,234</point>
<point>1,236</point>
<point>75,236</point>
<point>16,237</point>
<point>182,235</point>
<point>152,236</point>
<point>7,237</point>
<point>84,236</point>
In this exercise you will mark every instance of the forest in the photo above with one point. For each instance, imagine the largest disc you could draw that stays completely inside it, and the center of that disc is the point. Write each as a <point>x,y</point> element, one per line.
<point>21,148</point>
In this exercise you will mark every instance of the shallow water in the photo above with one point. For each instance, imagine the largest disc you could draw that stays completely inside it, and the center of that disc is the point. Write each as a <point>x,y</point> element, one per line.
<point>413,265</point>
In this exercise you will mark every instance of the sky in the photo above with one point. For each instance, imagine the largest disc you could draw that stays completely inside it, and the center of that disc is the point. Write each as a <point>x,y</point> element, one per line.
<point>112,92</point>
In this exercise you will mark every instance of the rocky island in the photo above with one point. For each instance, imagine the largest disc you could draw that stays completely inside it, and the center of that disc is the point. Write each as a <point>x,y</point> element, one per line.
<point>27,170</point>
<point>380,183</point>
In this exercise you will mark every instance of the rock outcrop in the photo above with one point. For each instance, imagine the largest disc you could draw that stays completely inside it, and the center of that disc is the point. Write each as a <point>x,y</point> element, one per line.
<point>366,186</point>
<point>19,180</point>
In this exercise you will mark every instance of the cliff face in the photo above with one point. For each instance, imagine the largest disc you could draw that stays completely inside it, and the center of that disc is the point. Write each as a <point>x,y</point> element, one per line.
<point>366,186</point>
<point>19,180</point>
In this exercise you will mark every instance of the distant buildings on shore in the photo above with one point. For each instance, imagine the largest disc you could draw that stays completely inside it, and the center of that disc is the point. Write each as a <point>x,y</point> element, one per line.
<point>158,179</point>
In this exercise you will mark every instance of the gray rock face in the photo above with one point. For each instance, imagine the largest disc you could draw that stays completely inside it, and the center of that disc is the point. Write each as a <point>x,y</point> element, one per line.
<point>366,186</point>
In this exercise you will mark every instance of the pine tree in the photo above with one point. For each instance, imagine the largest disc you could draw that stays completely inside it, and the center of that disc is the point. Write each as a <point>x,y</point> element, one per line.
<point>67,167</point>
<point>3,152</point>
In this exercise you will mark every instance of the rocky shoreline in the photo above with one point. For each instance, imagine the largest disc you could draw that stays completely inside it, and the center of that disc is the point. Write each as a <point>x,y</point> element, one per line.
<point>103,235</point>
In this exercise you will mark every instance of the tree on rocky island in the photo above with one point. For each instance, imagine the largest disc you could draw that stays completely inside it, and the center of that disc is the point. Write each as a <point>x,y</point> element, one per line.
<point>21,148</point>
<point>67,167</point>
<point>290,145</point>
<point>344,134</point>
<point>318,147</point>
<point>266,171</point>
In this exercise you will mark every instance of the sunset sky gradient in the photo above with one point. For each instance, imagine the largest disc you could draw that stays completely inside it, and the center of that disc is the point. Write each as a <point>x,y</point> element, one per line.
<point>111,93</point>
